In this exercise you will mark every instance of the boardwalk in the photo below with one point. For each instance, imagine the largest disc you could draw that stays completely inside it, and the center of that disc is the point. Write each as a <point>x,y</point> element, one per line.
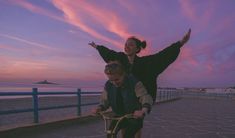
<point>184,118</point>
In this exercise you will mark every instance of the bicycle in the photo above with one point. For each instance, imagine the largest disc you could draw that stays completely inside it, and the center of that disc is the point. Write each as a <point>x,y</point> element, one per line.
<point>108,118</point>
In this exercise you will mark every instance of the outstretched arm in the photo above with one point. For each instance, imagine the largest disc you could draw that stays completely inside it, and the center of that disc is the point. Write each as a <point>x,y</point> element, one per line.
<point>110,55</point>
<point>105,53</point>
<point>185,38</point>
<point>161,60</point>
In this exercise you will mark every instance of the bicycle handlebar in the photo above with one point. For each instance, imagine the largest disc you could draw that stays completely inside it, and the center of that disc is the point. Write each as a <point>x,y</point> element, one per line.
<point>109,116</point>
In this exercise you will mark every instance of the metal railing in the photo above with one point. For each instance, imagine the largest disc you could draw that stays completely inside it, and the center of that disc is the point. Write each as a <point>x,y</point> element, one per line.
<point>35,106</point>
<point>163,95</point>
<point>166,94</point>
<point>208,95</point>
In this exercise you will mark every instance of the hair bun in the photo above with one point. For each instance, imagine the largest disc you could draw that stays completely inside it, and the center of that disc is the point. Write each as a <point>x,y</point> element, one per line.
<point>143,44</point>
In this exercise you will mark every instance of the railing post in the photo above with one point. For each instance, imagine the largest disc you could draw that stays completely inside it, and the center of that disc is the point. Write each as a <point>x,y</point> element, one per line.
<point>35,104</point>
<point>164,95</point>
<point>160,95</point>
<point>170,94</point>
<point>79,102</point>
<point>227,95</point>
<point>167,94</point>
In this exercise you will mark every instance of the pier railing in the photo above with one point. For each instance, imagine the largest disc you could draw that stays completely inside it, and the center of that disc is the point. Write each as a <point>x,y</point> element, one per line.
<point>198,94</point>
<point>162,96</point>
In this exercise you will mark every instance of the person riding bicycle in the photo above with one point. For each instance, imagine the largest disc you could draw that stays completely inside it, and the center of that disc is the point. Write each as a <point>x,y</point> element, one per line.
<point>125,95</point>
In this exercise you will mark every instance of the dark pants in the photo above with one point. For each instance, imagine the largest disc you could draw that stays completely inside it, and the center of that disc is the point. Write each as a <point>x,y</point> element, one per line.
<point>131,126</point>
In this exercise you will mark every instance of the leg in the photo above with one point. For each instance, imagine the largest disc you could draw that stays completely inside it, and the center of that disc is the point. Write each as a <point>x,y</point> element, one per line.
<point>138,134</point>
<point>123,132</point>
<point>110,133</point>
<point>133,126</point>
<point>121,126</point>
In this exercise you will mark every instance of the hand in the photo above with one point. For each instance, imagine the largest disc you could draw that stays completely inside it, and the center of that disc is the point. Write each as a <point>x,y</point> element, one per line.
<point>186,37</point>
<point>93,44</point>
<point>138,114</point>
<point>94,111</point>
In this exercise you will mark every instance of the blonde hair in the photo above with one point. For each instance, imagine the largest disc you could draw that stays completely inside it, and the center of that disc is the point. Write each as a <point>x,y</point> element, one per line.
<point>114,68</point>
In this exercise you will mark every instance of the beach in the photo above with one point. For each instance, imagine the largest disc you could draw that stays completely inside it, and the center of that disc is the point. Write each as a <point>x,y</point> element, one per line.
<point>26,118</point>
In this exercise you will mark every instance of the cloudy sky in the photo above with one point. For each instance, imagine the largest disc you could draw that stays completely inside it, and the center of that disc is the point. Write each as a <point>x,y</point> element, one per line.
<point>48,39</point>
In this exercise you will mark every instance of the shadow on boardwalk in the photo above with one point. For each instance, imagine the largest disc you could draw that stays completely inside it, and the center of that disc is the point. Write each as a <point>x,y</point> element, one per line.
<point>184,118</point>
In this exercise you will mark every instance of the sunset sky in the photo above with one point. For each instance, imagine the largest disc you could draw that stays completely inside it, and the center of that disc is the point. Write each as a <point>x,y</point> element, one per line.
<point>48,39</point>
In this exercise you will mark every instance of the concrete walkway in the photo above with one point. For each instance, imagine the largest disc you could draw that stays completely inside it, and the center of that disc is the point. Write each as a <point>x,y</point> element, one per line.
<point>184,118</point>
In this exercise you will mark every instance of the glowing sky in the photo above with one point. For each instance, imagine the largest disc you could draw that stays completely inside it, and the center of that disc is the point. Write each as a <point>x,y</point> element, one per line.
<point>48,39</point>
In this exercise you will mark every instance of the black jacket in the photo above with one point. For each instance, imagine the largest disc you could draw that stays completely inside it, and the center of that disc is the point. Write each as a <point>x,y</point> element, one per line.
<point>146,68</point>
<point>126,99</point>
<point>123,100</point>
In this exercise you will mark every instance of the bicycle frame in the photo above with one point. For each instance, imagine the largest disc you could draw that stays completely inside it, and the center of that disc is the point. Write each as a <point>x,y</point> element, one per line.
<point>108,117</point>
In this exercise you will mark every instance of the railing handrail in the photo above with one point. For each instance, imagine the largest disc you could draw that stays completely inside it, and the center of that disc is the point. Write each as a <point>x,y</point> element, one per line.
<point>14,93</point>
<point>43,93</point>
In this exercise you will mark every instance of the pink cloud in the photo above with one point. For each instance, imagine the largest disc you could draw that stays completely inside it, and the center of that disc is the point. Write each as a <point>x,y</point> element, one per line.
<point>50,68</point>
<point>198,13</point>
<point>224,26</point>
<point>188,9</point>
<point>73,13</point>
<point>5,47</point>
<point>28,69</point>
<point>107,18</point>
<point>20,67</point>
<point>209,67</point>
<point>186,56</point>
